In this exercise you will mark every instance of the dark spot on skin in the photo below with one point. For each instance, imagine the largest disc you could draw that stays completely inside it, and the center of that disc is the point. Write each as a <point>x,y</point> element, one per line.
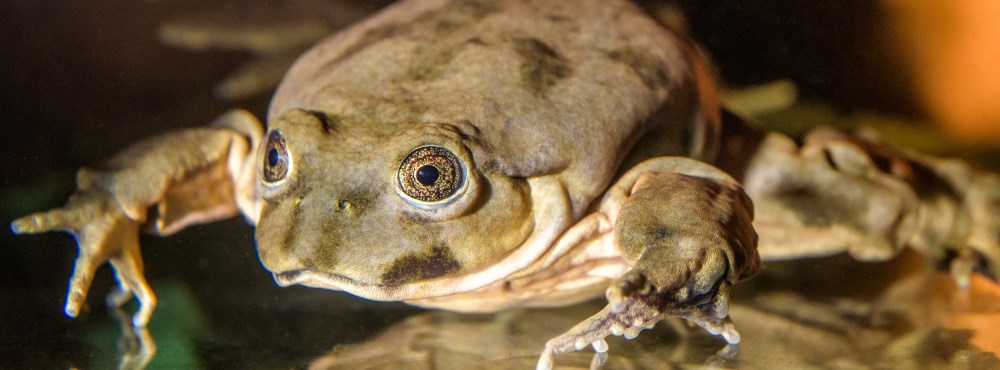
<point>293,224</point>
<point>646,66</point>
<point>816,209</point>
<point>557,18</point>
<point>475,41</point>
<point>324,119</point>
<point>431,67</point>
<point>438,261</point>
<point>321,260</point>
<point>435,22</point>
<point>367,40</point>
<point>541,66</point>
<point>476,10</point>
<point>460,15</point>
<point>660,233</point>
<point>412,218</point>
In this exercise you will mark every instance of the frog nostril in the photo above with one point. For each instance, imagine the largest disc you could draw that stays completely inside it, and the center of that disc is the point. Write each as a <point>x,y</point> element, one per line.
<point>345,205</point>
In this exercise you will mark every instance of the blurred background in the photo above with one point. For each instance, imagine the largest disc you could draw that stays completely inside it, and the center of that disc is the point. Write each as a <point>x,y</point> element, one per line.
<point>932,61</point>
<point>81,80</point>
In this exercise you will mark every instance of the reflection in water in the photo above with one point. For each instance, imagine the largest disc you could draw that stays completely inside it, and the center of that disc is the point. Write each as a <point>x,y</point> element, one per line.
<point>916,323</point>
<point>866,316</point>
<point>135,346</point>
<point>512,340</point>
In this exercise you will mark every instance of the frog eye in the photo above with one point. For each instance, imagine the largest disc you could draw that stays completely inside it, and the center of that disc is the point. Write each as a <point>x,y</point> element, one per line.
<point>275,158</point>
<point>430,177</point>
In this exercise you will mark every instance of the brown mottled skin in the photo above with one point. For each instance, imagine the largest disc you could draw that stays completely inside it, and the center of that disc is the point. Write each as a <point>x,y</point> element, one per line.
<point>522,98</point>
<point>589,140</point>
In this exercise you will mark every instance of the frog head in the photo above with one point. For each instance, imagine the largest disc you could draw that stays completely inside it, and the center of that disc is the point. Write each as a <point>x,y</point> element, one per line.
<point>381,213</point>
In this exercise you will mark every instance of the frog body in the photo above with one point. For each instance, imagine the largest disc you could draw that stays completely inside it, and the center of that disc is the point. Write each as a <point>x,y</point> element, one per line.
<point>476,156</point>
<point>515,120</point>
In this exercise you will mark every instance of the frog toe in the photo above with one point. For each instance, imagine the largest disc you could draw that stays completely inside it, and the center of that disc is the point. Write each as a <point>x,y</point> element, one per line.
<point>79,284</point>
<point>32,224</point>
<point>628,318</point>
<point>118,297</point>
<point>128,270</point>
<point>600,346</point>
<point>623,288</point>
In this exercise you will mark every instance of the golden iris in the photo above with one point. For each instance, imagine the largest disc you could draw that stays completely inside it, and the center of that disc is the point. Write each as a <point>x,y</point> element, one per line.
<point>430,174</point>
<point>275,158</point>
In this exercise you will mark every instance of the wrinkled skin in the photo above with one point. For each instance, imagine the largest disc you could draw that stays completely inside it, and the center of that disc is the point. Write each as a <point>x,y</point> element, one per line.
<point>478,156</point>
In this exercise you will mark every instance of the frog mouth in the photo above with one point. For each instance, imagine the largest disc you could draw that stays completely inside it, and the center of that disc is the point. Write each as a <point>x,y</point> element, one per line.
<point>287,278</point>
<point>378,292</point>
<point>314,279</point>
<point>386,291</point>
<point>309,278</point>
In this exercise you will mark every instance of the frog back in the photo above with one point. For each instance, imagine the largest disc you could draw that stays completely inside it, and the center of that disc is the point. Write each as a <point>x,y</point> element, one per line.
<point>544,88</point>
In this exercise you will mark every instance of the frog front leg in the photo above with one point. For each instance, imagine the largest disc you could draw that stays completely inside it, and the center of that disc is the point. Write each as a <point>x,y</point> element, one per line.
<point>161,184</point>
<point>686,229</point>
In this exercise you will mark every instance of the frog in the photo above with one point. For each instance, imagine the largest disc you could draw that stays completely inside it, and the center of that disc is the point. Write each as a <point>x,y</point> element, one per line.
<point>478,156</point>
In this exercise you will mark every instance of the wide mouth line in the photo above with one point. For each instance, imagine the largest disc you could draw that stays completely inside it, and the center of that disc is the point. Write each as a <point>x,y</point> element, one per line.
<point>378,292</point>
<point>287,278</point>
<point>304,276</point>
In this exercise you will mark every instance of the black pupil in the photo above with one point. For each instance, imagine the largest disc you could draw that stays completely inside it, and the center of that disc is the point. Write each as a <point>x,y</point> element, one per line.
<point>273,157</point>
<point>428,175</point>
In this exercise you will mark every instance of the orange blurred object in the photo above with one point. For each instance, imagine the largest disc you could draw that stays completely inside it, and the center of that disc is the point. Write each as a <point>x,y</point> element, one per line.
<point>978,310</point>
<point>952,49</point>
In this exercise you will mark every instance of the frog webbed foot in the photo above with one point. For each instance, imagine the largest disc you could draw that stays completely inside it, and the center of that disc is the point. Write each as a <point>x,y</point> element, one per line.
<point>635,305</point>
<point>699,295</point>
<point>705,305</point>
<point>104,233</point>
<point>628,321</point>
<point>161,184</point>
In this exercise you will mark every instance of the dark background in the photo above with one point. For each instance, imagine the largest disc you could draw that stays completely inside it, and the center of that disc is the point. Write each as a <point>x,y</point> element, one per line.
<point>81,80</point>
